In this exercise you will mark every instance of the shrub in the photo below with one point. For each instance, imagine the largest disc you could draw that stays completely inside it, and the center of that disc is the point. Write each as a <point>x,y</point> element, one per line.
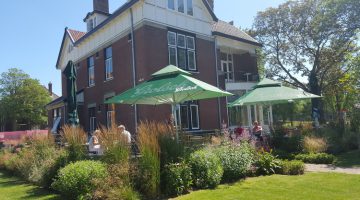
<point>75,139</point>
<point>236,160</point>
<point>171,151</point>
<point>316,158</point>
<point>116,185</point>
<point>266,163</point>
<point>115,145</point>
<point>294,167</point>
<point>5,155</point>
<point>314,144</point>
<point>177,178</point>
<point>289,144</point>
<point>206,169</point>
<point>148,174</point>
<point>76,179</point>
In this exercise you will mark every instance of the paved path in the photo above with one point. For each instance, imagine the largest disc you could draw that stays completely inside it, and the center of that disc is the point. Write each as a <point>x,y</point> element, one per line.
<point>331,168</point>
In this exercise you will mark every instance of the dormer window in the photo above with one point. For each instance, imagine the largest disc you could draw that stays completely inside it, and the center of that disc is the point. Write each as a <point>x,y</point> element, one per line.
<point>90,25</point>
<point>183,6</point>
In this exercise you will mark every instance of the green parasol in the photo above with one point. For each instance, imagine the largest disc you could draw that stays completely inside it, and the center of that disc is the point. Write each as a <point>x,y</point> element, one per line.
<point>70,74</point>
<point>170,85</point>
<point>269,92</point>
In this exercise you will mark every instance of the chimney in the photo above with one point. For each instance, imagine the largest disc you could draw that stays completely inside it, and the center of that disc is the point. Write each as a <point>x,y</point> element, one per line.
<point>50,88</point>
<point>231,23</point>
<point>211,4</point>
<point>101,5</point>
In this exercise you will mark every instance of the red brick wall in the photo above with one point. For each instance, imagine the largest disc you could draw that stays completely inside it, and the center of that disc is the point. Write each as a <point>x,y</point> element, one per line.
<point>151,55</point>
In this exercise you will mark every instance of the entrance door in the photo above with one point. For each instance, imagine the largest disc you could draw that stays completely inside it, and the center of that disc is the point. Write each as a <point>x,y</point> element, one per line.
<point>227,68</point>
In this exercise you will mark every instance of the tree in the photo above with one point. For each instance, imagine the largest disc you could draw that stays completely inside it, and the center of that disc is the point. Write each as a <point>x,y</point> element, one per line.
<point>22,100</point>
<point>310,39</point>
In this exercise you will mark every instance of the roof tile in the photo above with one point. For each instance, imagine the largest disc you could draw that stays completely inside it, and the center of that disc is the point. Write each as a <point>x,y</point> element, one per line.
<point>75,35</point>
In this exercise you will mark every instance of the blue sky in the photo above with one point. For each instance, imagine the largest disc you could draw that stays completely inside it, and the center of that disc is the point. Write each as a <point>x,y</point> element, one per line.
<point>31,31</point>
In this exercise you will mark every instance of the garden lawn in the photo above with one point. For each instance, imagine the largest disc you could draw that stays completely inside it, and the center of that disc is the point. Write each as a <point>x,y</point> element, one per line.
<point>12,188</point>
<point>349,159</point>
<point>311,186</point>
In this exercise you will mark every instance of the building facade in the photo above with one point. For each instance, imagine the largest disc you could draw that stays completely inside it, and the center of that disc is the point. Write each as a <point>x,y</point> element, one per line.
<point>122,49</point>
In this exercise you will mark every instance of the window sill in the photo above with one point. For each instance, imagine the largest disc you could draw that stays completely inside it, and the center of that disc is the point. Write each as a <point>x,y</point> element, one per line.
<point>91,86</point>
<point>108,80</point>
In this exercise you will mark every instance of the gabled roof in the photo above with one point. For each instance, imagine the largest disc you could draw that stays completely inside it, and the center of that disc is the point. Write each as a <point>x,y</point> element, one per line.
<point>75,35</point>
<point>95,11</point>
<point>208,7</point>
<point>227,30</point>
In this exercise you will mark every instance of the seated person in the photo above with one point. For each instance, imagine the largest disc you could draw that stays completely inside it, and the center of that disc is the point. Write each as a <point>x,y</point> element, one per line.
<point>239,131</point>
<point>94,145</point>
<point>125,133</point>
<point>257,129</point>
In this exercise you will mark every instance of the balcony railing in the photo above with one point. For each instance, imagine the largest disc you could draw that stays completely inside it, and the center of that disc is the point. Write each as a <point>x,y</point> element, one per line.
<point>240,77</point>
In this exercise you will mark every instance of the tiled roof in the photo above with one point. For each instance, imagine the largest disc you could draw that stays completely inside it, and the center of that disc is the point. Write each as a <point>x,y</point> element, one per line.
<point>75,35</point>
<point>227,30</point>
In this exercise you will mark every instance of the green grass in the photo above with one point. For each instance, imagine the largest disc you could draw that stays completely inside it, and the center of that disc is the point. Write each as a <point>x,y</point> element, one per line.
<point>12,188</point>
<point>350,159</point>
<point>311,186</point>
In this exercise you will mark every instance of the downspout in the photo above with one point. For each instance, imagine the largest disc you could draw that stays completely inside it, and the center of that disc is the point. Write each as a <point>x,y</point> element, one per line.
<point>133,63</point>
<point>217,81</point>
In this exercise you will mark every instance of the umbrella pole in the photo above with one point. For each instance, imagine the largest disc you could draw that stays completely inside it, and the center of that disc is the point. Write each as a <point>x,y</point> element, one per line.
<point>175,121</point>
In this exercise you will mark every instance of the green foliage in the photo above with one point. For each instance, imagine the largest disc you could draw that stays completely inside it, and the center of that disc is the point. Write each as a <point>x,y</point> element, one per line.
<point>294,167</point>
<point>116,185</point>
<point>176,178</point>
<point>236,160</point>
<point>307,39</point>
<point>316,158</point>
<point>290,144</point>
<point>74,139</point>
<point>23,99</point>
<point>171,150</point>
<point>266,163</point>
<point>314,144</point>
<point>206,169</point>
<point>75,181</point>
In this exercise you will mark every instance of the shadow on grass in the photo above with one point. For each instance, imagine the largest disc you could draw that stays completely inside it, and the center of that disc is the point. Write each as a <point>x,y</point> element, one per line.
<point>8,180</point>
<point>349,159</point>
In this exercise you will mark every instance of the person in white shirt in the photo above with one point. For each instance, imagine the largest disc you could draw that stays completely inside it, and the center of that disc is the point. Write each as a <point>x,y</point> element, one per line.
<point>125,133</point>
<point>94,145</point>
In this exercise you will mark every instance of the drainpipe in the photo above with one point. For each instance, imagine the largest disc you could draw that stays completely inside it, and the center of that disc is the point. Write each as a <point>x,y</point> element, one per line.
<point>133,63</point>
<point>217,81</point>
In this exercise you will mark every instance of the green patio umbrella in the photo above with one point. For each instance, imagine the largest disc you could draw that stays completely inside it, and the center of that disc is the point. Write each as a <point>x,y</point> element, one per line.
<point>269,92</point>
<point>170,85</point>
<point>70,74</point>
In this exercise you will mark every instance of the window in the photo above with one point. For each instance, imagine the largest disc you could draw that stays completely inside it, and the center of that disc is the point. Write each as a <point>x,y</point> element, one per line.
<point>171,4</point>
<point>227,66</point>
<point>91,71</point>
<point>90,25</point>
<point>181,6</point>
<point>92,119</point>
<point>110,114</point>
<point>190,10</point>
<point>182,52</point>
<point>108,64</point>
<point>188,115</point>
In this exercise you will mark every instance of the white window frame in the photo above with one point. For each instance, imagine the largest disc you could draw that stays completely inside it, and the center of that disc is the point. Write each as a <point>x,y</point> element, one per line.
<point>228,72</point>
<point>92,124</point>
<point>186,10</point>
<point>176,46</point>
<point>91,70</point>
<point>109,70</point>
<point>191,116</point>
<point>192,7</point>
<point>174,3</point>
<point>109,117</point>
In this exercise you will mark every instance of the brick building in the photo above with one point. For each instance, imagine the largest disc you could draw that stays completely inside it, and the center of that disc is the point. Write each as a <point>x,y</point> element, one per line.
<point>122,49</point>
